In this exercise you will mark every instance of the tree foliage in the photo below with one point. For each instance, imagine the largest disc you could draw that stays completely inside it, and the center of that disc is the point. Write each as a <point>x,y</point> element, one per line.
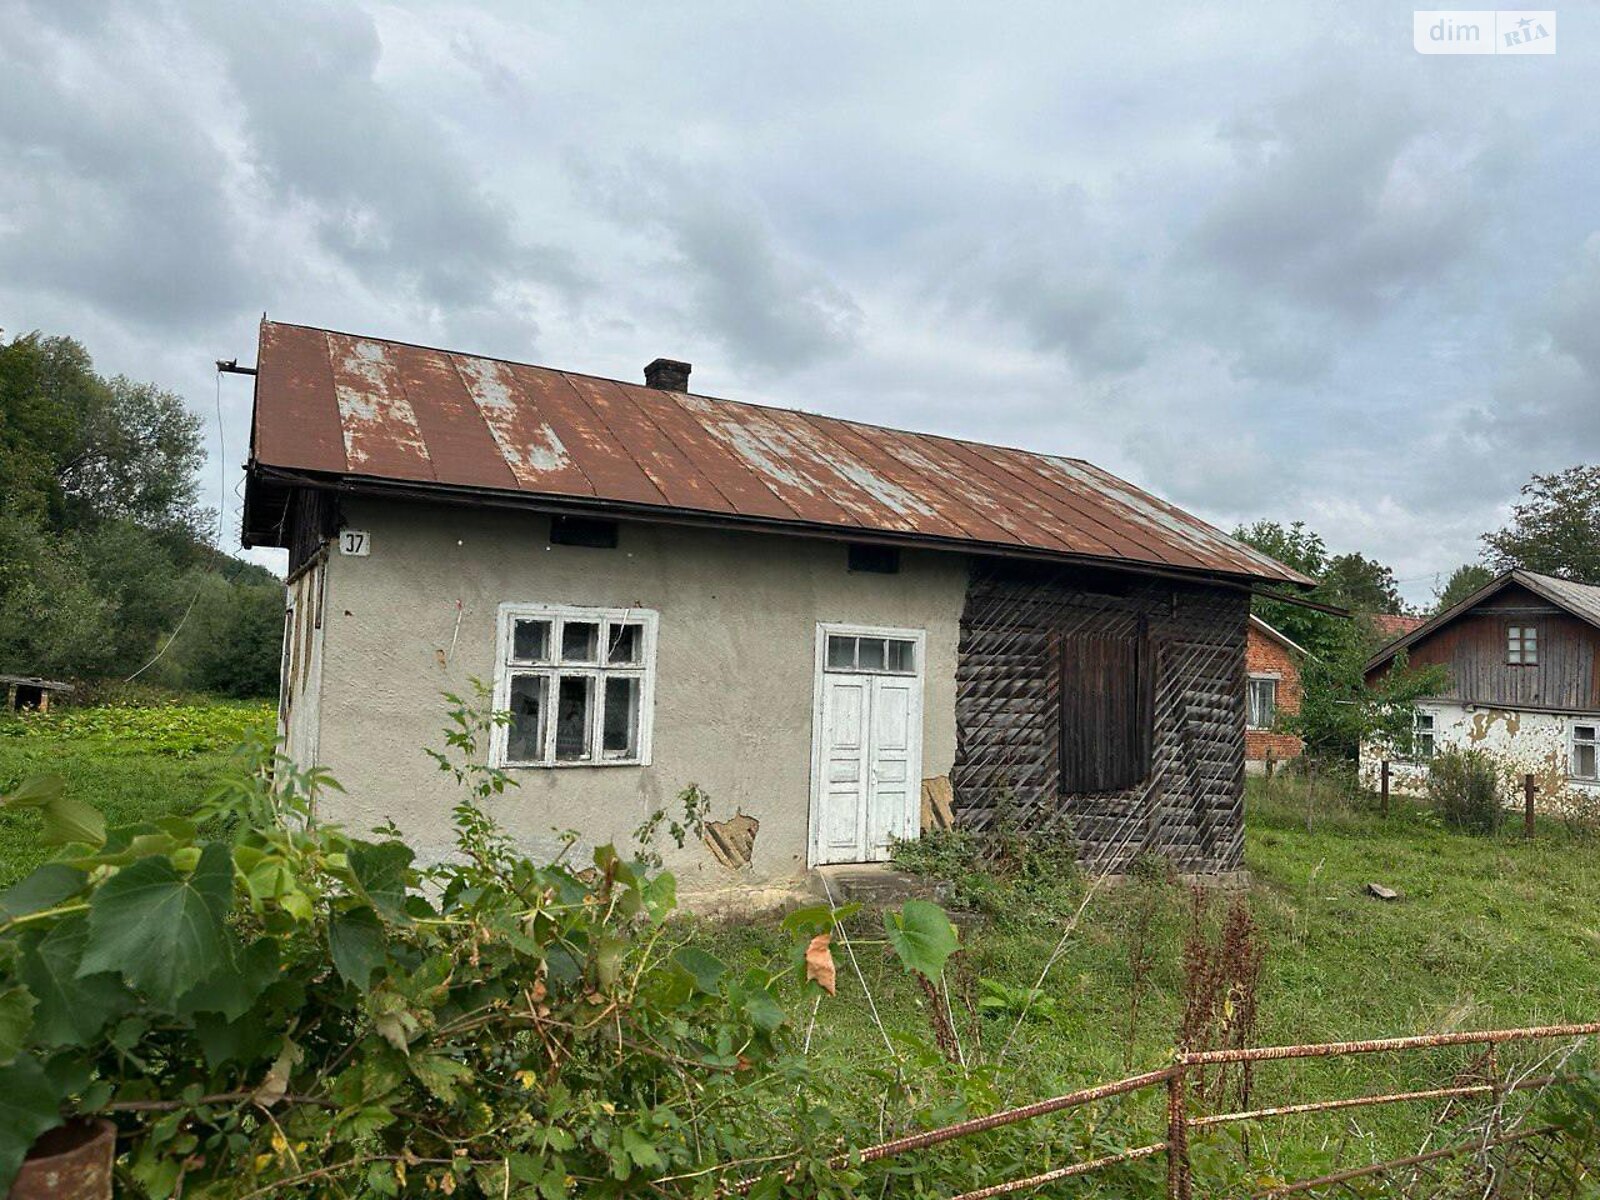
<point>1463,581</point>
<point>1349,581</point>
<point>1340,709</point>
<point>103,542</point>
<point>1555,529</point>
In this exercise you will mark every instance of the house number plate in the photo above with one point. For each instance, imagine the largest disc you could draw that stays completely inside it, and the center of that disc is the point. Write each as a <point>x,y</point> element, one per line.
<point>355,541</point>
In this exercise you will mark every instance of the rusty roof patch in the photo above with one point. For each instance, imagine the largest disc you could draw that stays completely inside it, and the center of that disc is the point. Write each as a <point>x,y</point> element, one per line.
<point>330,404</point>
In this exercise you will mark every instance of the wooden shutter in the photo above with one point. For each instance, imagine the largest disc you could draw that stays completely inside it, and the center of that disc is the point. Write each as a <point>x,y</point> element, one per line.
<point>1105,712</point>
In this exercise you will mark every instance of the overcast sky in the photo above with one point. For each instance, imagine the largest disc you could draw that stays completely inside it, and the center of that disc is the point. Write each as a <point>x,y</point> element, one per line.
<point>1263,259</point>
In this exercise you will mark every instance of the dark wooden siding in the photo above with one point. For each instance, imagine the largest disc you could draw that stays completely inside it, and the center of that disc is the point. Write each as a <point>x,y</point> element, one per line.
<point>1473,647</point>
<point>313,518</point>
<point>1010,725</point>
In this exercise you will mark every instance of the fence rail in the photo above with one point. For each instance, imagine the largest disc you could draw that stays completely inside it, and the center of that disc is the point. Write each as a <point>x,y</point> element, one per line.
<point>1175,1079</point>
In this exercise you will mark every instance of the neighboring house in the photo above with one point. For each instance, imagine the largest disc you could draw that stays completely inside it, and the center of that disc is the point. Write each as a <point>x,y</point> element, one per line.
<point>1393,625</point>
<point>1272,690</point>
<point>1523,685</point>
<point>828,626</point>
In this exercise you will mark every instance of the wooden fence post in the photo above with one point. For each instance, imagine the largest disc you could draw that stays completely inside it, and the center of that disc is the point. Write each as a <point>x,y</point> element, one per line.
<point>1528,789</point>
<point>1383,792</point>
<point>1178,1182</point>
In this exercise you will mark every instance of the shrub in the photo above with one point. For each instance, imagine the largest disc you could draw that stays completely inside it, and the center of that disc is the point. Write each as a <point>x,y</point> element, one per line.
<point>1464,787</point>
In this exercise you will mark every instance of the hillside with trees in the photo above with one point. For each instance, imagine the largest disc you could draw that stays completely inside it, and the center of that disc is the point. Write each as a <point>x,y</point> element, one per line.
<point>105,549</point>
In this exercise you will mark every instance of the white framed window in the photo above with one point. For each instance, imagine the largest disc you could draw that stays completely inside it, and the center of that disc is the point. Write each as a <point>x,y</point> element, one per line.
<point>1522,645</point>
<point>870,654</point>
<point>1585,752</point>
<point>579,684</point>
<point>1262,704</point>
<point>1422,736</point>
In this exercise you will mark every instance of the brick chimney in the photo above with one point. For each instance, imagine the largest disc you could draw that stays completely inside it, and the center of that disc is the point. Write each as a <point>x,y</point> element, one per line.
<point>667,374</point>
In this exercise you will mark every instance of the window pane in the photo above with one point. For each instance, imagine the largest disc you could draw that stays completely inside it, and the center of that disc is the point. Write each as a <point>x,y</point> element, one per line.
<point>1514,634</point>
<point>574,701</point>
<point>580,641</point>
<point>903,657</point>
<point>530,641</point>
<point>1425,721</point>
<point>1425,746</point>
<point>1583,762</point>
<point>870,656</point>
<point>619,736</point>
<point>624,644</point>
<point>1514,655</point>
<point>1584,733</point>
<point>841,652</point>
<point>525,733</point>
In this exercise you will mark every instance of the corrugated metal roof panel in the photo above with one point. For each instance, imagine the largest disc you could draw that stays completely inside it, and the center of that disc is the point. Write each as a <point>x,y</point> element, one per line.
<point>334,404</point>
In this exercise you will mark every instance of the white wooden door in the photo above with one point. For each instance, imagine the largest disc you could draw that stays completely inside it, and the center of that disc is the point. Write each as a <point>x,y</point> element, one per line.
<point>868,745</point>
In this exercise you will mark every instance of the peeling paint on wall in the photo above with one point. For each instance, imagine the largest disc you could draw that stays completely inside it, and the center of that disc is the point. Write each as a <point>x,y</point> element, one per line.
<point>734,840</point>
<point>1521,743</point>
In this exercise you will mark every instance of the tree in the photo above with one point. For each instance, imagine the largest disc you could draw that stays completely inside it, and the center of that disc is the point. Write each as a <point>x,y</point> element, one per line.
<point>103,542</point>
<point>1361,584</point>
<point>1555,530</point>
<point>1349,581</point>
<point>1339,709</point>
<point>1463,581</point>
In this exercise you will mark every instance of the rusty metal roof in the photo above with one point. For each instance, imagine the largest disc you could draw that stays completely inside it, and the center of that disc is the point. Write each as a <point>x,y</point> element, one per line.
<point>363,409</point>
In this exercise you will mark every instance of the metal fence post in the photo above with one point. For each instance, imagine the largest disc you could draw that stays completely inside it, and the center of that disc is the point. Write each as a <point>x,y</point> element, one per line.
<point>1178,1182</point>
<point>1528,789</point>
<point>1383,792</point>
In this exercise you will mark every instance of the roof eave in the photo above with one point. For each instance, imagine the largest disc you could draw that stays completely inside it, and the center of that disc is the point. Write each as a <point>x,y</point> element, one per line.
<point>261,473</point>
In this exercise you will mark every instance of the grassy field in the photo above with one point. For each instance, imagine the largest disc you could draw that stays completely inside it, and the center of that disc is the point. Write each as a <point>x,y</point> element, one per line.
<point>1488,932</point>
<point>132,762</point>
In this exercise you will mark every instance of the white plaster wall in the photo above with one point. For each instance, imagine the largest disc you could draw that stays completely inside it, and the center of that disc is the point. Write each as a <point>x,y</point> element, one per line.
<point>1522,743</point>
<point>734,684</point>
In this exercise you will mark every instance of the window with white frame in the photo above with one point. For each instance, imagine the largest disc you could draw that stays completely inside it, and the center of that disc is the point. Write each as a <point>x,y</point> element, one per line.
<point>1585,761</point>
<point>1422,736</point>
<point>1263,702</point>
<point>578,684</point>
<point>1522,645</point>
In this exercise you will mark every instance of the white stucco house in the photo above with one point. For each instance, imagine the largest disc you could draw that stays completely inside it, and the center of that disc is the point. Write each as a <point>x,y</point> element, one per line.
<point>839,631</point>
<point>1524,686</point>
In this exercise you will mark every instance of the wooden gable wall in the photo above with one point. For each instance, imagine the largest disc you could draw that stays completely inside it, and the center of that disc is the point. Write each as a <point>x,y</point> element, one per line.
<point>1473,647</point>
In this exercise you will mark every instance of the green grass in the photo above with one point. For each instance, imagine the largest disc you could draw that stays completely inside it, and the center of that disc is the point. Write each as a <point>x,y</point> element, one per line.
<point>1490,932</point>
<point>131,762</point>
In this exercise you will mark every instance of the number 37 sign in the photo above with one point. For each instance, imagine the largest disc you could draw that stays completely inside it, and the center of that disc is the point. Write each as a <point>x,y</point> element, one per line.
<point>355,541</point>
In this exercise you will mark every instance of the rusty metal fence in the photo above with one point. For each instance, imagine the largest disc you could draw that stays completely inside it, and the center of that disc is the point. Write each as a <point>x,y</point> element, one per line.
<point>1176,1080</point>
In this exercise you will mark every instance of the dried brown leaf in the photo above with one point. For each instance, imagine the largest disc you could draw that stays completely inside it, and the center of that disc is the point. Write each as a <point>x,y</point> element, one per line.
<point>819,963</point>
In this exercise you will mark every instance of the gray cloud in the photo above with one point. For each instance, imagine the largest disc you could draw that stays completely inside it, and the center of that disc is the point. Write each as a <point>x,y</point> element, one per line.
<point>1268,265</point>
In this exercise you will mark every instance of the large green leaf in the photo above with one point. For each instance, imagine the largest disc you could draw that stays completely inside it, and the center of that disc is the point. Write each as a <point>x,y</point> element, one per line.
<point>68,821</point>
<point>161,931</point>
<point>380,869</point>
<point>35,792</point>
<point>922,936</point>
<point>16,1016</point>
<point>706,970</point>
<point>45,888</point>
<point>232,989</point>
<point>356,941</point>
<point>72,1008</point>
<point>29,1105</point>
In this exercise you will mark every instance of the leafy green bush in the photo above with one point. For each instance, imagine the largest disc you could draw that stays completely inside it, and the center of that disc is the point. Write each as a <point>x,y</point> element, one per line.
<point>287,1008</point>
<point>1464,786</point>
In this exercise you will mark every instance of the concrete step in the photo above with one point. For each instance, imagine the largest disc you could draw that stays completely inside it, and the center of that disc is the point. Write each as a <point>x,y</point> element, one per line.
<point>875,885</point>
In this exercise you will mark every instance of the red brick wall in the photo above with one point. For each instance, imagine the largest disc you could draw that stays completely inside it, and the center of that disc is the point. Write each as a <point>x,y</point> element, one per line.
<point>1264,656</point>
